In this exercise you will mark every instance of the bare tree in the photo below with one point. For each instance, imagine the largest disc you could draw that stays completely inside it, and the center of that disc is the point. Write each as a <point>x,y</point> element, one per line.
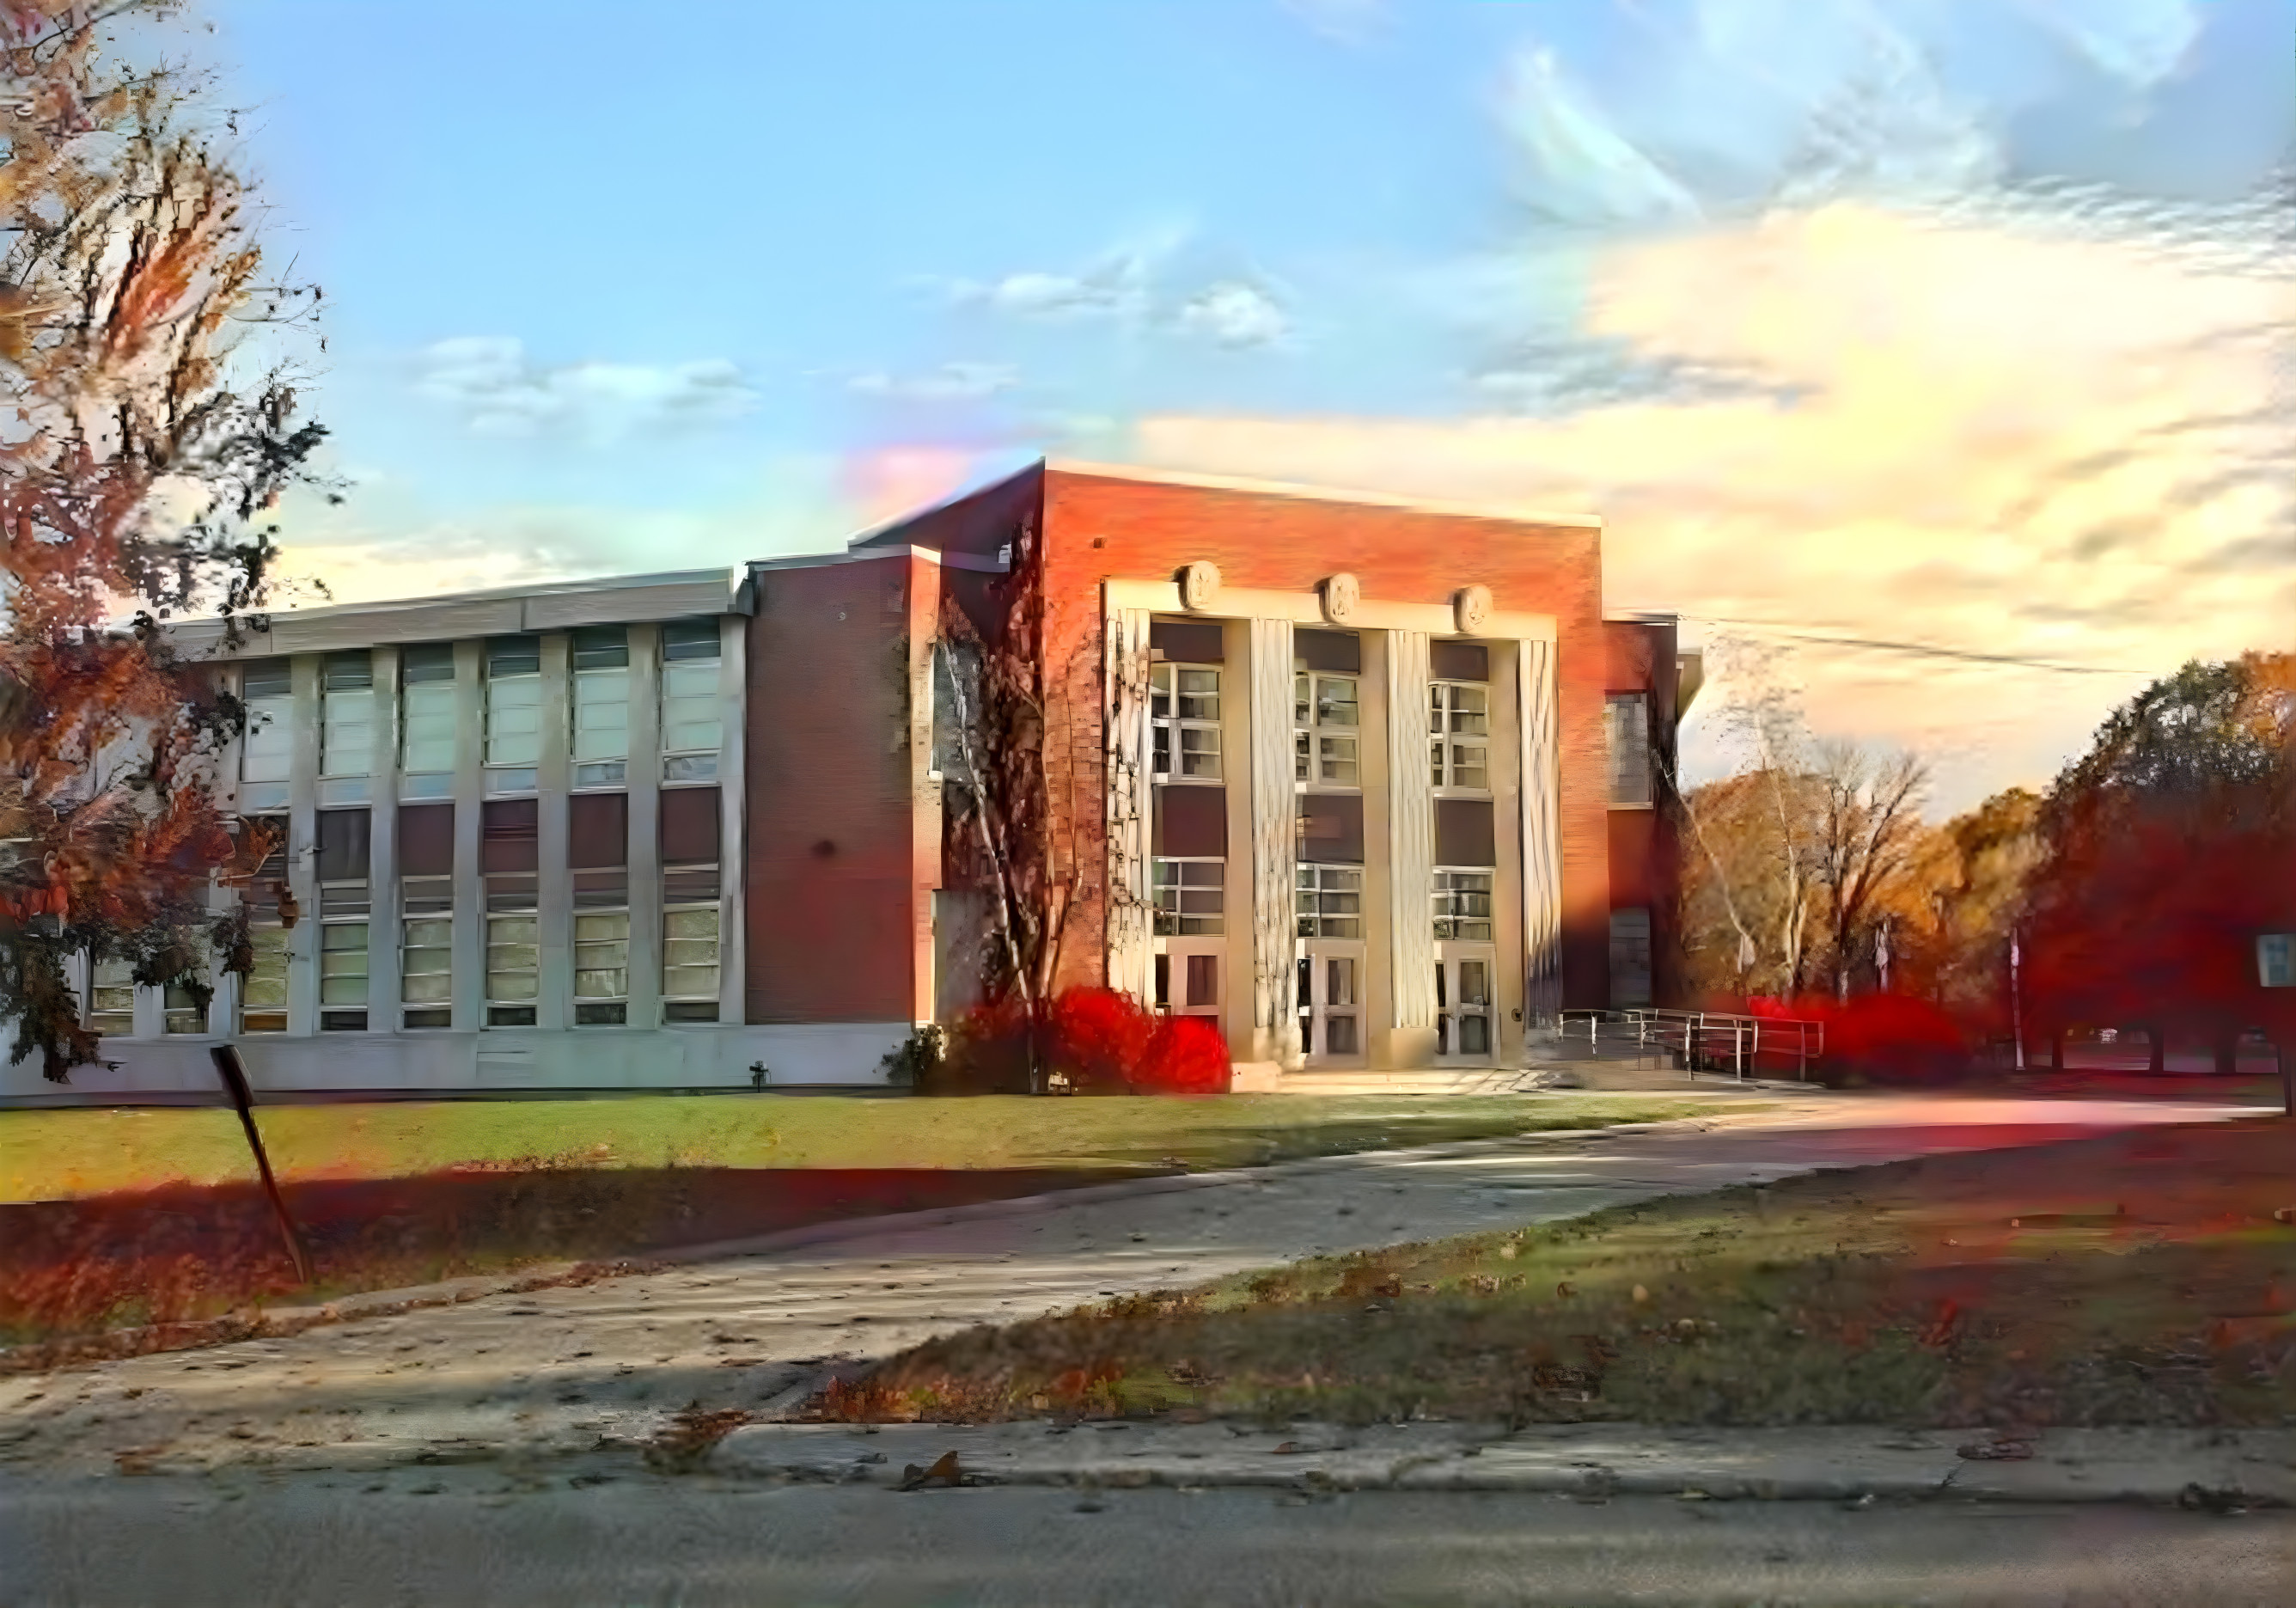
<point>1867,828</point>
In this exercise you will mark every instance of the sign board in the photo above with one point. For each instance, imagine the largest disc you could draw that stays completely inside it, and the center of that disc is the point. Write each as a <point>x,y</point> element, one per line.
<point>2276,960</point>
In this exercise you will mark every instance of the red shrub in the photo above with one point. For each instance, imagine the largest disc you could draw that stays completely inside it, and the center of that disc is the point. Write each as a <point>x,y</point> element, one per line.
<point>1100,1036</point>
<point>1100,1040</point>
<point>1890,1036</point>
<point>1188,1056</point>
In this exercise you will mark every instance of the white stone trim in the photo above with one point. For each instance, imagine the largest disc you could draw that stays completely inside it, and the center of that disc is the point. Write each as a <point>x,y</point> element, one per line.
<point>1275,810</point>
<point>1130,793</point>
<point>1307,609</point>
<point>1411,831</point>
<point>1539,729</point>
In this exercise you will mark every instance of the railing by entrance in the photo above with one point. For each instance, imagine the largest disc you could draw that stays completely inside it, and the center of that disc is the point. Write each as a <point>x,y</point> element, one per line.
<point>1702,1041</point>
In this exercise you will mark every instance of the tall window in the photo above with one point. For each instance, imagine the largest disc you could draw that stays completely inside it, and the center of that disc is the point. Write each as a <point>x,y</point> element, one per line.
<point>111,997</point>
<point>344,909</point>
<point>1459,736</point>
<point>1325,721</point>
<point>691,728</point>
<point>1330,901</point>
<point>1626,732</point>
<point>513,713</point>
<point>426,907</point>
<point>426,721</point>
<point>509,854</point>
<point>1462,905</point>
<point>346,727</point>
<point>1184,705</point>
<point>263,992</point>
<point>266,748</point>
<point>184,1013</point>
<point>598,855</point>
<point>602,707</point>
<point>1191,898</point>
<point>690,911</point>
<point>1630,957</point>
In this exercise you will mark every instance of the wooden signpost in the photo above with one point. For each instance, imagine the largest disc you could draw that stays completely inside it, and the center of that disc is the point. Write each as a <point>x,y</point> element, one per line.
<point>242,1100</point>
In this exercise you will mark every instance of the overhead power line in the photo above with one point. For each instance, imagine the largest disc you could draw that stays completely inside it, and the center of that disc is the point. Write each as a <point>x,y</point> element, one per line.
<point>1919,650</point>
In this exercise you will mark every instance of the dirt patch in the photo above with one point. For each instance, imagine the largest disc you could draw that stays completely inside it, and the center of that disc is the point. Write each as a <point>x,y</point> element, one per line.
<point>2143,1278</point>
<point>187,1253</point>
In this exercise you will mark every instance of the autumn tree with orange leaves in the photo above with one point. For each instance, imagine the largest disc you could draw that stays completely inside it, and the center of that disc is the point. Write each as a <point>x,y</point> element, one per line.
<point>142,453</point>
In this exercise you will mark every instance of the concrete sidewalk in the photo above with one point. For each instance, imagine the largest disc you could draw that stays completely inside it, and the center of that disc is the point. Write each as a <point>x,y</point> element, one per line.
<point>2218,1471</point>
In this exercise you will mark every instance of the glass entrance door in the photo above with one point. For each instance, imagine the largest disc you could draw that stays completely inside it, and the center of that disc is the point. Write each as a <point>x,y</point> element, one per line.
<point>1463,1003</point>
<point>1330,1002</point>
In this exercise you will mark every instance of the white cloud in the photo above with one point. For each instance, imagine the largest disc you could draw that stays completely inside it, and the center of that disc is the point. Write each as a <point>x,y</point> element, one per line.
<point>501,391</point>
<point>2140,42</point>
<point>1115,287</point>
<point>950,383</point>
<point>1348,21</point>
<point>1235,314</point>
<point>1583,168</point>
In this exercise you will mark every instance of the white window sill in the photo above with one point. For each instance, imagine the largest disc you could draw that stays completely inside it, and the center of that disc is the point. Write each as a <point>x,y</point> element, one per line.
<point>1646,806</point>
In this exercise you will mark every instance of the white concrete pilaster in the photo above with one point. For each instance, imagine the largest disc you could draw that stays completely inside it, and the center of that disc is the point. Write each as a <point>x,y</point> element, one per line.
<point>1539,730</point>
<point>1410,844</point>
<point>1131,796</point>
<point>1273,846</point>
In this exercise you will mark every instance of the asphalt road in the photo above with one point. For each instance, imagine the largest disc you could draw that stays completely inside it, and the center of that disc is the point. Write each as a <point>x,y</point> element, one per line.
<point>463,1536</point>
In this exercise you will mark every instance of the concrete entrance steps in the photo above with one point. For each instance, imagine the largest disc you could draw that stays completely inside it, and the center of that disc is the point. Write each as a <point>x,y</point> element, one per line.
<point>1439,1080</point>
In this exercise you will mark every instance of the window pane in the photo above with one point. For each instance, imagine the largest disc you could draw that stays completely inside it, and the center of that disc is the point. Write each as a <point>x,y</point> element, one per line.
<point>1203,979</point>
<point>426,661</point>
<point>1470,711</point>
<point>691,924</point>
<point>267,746</point>
<point>1474,1035</point>
<point>1335,700</point>
<point>683,640</point>
<point>1340,1034</point>
<point>1474,983</point>
<point>601,647</point>
<point>515,656</point>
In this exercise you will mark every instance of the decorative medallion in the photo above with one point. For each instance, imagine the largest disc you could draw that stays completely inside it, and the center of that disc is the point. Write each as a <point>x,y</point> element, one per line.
<point>1199,585</point>
<point>1471,607</point>
<point>1341,593</point>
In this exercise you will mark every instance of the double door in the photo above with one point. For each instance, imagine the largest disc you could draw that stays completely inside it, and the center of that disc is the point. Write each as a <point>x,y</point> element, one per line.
<point>1329,1000</point>
<point>1465,1030</point>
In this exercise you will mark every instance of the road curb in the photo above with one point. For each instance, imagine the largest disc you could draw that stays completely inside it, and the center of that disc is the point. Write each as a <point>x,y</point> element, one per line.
<point>2216,1471</point>
<point>279,1323</point>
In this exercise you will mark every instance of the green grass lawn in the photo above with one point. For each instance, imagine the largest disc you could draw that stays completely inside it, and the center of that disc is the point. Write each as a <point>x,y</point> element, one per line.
<point>62,1154</point>
<point>2147,1278</point>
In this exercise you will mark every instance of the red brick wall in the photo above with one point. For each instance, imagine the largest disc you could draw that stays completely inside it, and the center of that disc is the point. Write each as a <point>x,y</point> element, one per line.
<point>831,893</point>
<point>1642,657</point>
<point>1097,527</point>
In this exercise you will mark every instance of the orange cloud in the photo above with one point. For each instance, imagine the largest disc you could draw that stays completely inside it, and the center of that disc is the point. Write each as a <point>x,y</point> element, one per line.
<point>2057,448</point>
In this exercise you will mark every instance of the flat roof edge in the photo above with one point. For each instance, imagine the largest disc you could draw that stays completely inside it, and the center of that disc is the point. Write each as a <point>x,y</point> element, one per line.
<point>1322,494</point>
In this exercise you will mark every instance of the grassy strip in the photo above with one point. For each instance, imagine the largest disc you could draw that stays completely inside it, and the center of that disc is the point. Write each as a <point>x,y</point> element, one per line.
<point>2143,1278</point>
<point>47,1155</point>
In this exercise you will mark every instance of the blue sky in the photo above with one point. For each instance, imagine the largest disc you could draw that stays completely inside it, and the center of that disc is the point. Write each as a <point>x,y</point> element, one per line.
<point>608,289</point>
